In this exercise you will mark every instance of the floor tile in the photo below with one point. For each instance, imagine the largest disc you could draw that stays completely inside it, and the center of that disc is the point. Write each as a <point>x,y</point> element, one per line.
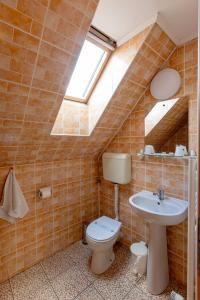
<point>142,285</point>
<point>89,294</point>
<point>67,275</point>
<point>122,265</point>
<point>136,294</point>
<point>44,292</point>
<point>5,291</point>
<point>69,284</point>
<point>57,264</point>
<point>84,266</point>
<point>25,284</point>
<point>81,255</point>
<point>115,287</point>
<point>122,259</point>
<point>78,251</point>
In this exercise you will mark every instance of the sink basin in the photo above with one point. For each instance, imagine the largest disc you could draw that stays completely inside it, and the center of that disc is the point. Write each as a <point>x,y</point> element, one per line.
<point>170,211</point>
<point>158,214</point>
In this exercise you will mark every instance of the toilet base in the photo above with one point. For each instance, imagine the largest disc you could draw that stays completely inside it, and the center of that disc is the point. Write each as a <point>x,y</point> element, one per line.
<point>102,260</point>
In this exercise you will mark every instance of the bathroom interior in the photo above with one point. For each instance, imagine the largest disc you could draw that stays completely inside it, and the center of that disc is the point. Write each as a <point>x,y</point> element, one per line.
<point>99,145</point>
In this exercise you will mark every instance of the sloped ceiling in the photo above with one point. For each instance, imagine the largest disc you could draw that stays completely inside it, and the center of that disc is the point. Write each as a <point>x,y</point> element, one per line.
<point>178,18</point>
<point>39,45</point>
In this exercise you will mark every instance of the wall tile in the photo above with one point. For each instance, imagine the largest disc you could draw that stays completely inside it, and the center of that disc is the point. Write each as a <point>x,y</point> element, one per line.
<point>14,17</point>
<point>53,223</point>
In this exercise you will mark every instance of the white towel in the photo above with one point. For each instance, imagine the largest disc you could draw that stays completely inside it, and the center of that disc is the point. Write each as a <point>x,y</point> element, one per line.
<point>13,202</point>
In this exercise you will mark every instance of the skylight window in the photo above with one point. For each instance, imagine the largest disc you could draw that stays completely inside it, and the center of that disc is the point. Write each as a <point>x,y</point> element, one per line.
<point>88,68</point>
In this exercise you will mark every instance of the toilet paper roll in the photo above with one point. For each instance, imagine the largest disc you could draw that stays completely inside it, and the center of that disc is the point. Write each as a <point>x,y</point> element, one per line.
<point>45,192</point>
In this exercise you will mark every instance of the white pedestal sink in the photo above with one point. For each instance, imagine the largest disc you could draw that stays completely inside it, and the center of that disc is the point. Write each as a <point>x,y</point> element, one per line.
<point>158,214</point>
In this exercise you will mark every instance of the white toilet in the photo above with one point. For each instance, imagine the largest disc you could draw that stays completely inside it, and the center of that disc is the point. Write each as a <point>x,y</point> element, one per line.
<point>101,235</point>
<point>103,232</point>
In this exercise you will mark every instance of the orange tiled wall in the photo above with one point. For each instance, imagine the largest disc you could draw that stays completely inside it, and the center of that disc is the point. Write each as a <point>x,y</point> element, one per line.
<point>72,119</point>
<point>52,223</point>
<point>151,173</point>
<point>40,42</point>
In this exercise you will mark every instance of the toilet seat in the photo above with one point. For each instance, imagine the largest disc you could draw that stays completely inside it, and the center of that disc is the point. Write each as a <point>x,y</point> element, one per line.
<point>103,229</point>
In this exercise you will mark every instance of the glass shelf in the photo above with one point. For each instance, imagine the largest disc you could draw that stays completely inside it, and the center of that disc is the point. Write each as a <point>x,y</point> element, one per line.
<point>166,156</point>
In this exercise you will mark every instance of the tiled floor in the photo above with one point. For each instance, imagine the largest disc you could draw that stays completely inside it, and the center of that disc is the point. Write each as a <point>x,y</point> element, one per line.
<point>66,276</point>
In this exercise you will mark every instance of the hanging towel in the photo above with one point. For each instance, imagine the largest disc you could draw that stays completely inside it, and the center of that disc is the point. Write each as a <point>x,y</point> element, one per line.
<point>13,202</point>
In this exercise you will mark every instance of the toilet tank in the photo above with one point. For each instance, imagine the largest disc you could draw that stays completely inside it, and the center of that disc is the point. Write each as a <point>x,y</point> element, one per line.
<point>117,167</point>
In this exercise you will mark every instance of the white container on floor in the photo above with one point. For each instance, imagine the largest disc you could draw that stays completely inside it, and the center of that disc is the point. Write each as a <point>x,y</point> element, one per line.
<point>139,252</point>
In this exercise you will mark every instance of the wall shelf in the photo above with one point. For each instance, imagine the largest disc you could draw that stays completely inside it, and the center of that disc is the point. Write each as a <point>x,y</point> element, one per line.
<point>160,155</point>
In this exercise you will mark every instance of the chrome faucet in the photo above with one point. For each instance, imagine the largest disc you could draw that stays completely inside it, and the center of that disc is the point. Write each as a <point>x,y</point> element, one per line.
<point>160,194</point>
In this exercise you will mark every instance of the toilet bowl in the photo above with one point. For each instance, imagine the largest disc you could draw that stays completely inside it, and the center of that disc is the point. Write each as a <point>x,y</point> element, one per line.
<point>101,235</point>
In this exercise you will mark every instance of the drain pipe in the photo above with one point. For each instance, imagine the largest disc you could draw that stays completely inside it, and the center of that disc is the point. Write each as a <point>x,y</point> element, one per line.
<point>116,188</point>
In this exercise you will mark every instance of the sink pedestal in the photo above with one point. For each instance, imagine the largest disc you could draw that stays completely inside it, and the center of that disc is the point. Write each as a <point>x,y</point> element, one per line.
<point>157,265</point>
<point>158,214</point>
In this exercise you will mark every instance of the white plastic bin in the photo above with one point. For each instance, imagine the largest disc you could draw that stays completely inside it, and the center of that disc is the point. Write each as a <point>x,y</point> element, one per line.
<point>139,252</point>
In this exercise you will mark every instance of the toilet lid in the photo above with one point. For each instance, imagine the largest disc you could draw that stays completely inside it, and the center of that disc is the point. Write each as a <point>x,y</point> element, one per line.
<point>103,228</point>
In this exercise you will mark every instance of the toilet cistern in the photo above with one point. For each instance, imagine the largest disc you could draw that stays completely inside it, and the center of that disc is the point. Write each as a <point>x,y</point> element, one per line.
<point>117,169</point>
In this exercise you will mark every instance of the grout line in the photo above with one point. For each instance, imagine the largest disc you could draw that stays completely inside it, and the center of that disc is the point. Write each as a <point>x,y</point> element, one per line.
<point>38,37</point>
<point>83,291</point>
<point>49,282</point>
<point>30,86</point>
<point>33,74</point>
<point>134,284</point>
<point>143,292</point>
<point>99,293</point>
<point>153,50</point>
<point>75,265</point>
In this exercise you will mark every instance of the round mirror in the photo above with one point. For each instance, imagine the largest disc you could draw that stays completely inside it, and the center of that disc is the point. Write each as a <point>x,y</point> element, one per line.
<point>165,84</point>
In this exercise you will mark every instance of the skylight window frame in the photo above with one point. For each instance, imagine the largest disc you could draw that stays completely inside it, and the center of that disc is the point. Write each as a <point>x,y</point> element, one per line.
<point>108,52</point>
